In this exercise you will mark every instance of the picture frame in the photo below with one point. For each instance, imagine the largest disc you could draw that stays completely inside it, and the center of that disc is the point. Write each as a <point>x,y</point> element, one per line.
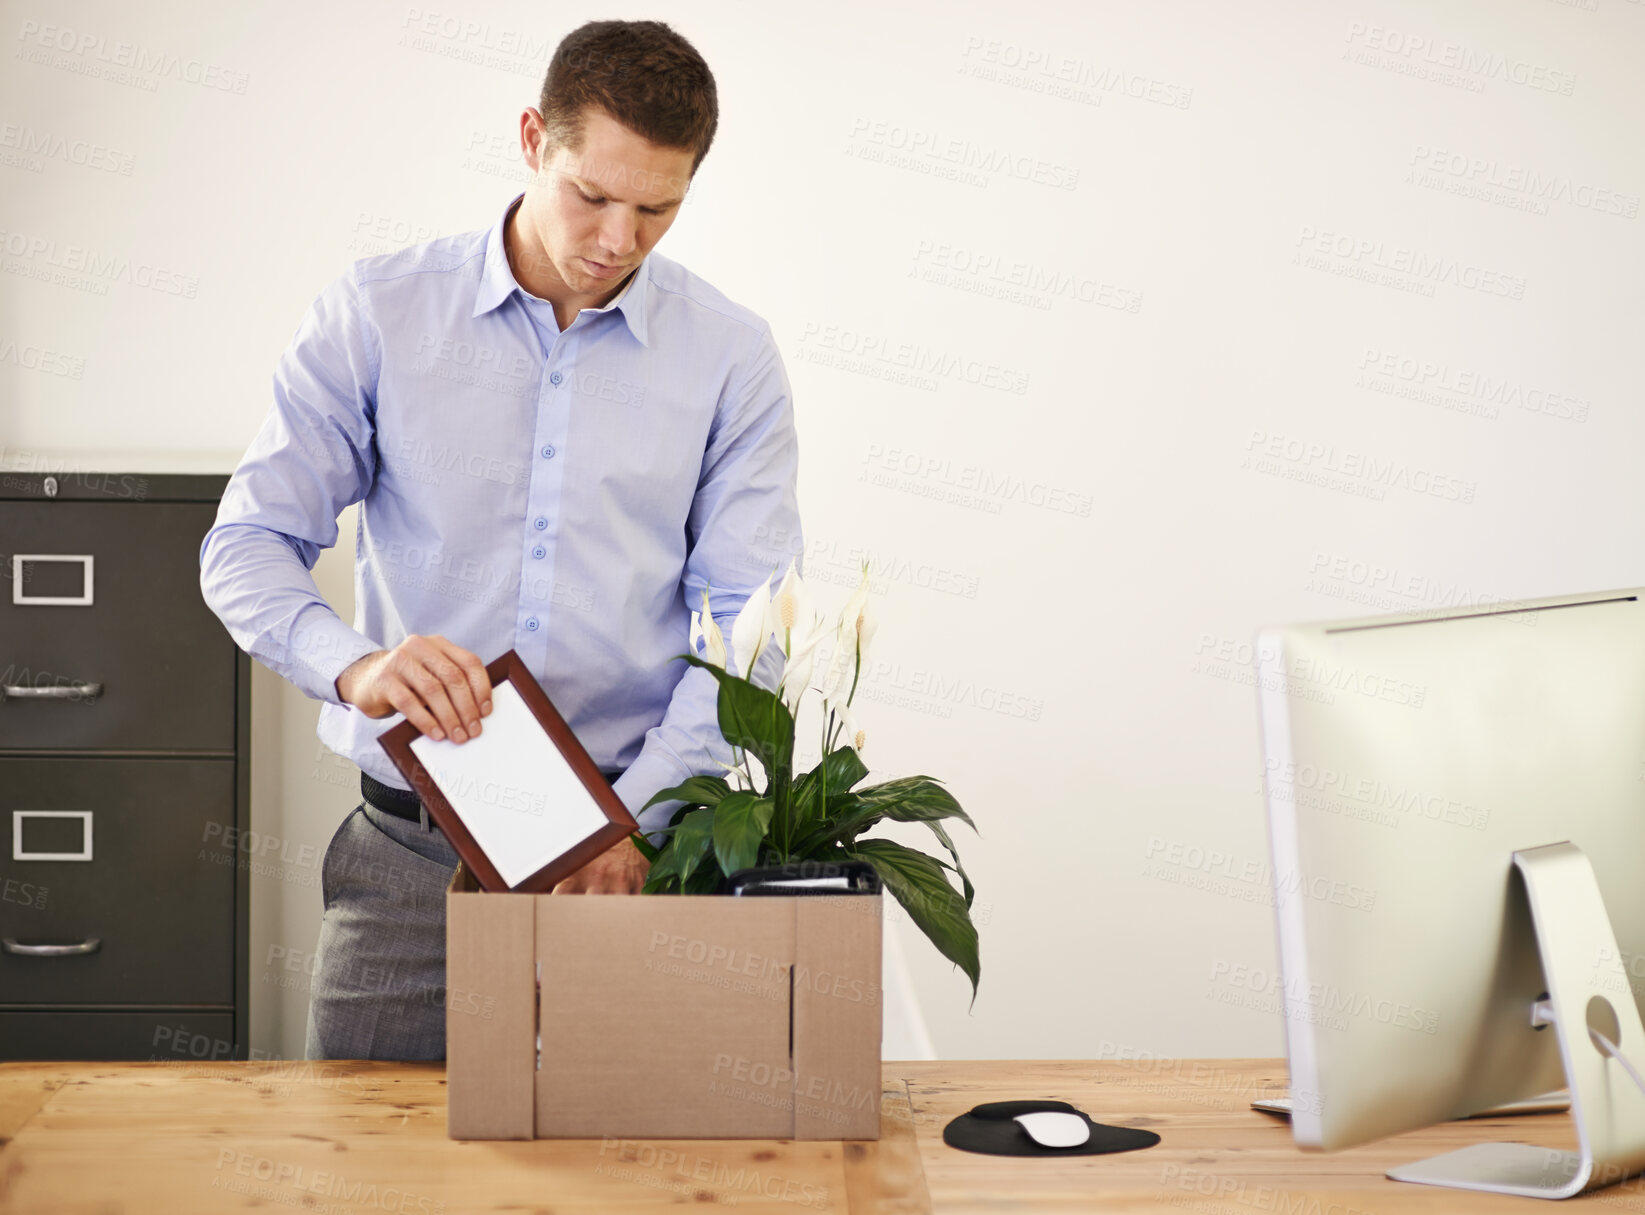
<point>490,821</point>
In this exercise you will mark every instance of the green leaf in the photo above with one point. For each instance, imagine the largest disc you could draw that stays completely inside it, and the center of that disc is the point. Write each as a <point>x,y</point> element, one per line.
<point>920,884</point>
<point>912,799</point>
<point>691,842</point>
<point>753,718</point>
<point>698,790</point>
<point>662,873</point>
<point>758,722</point>
<point>942,835</point>
<point>825,783</point>
<point>707,880</point>
<point>740,824</point>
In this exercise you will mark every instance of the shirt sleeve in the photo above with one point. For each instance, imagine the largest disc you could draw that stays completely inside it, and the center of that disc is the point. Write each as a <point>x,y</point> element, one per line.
<point>747,500</point>
<point>312,458</point>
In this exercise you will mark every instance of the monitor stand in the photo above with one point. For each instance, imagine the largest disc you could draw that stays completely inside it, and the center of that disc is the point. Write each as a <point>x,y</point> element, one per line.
<point>1587,990</point>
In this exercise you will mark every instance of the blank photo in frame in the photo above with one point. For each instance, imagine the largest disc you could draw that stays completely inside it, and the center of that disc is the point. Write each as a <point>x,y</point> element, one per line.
<point>523,804</point>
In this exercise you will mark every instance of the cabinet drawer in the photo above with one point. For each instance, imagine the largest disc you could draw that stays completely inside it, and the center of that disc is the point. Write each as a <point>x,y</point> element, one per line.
<point>109,593</point>
<point>157,894</point>
<point>182,1037</point>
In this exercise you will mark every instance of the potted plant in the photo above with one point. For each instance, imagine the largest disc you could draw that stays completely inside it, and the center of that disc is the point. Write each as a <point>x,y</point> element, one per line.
<point>729,823</point>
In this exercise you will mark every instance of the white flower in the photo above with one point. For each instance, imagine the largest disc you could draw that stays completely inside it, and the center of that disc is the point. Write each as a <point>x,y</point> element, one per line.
<point>855,629</point>
<point>797,673</point>
<point>856,620</point>
<point>706,629</point>
<point>751,630</point>
<point>854,733</point>
<point>867,623</point>
<point>735,778</point>
<point>791,609</point>
<point>828,677</point>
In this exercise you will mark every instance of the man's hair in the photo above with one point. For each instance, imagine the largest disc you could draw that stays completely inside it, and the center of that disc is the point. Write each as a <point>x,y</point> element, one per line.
<point>642,74</point>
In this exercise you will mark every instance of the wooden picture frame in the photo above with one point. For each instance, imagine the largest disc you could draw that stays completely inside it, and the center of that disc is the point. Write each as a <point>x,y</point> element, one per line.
<point>619,824</point>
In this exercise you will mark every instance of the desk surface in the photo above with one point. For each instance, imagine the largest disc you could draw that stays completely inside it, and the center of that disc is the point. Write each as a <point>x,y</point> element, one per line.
<point>370,1138</point>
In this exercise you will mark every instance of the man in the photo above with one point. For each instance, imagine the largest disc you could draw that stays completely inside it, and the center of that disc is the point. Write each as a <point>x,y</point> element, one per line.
<point>559,440</point>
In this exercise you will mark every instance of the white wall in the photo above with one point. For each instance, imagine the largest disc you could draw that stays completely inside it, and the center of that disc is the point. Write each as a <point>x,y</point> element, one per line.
<point>1205,289</point>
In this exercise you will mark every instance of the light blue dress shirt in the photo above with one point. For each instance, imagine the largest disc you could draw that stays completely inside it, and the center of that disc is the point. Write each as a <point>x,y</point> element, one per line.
<point>568,495</point>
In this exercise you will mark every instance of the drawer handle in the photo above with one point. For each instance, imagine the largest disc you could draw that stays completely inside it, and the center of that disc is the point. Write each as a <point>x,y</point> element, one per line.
<point>56,691</point>
<point>89,945</point>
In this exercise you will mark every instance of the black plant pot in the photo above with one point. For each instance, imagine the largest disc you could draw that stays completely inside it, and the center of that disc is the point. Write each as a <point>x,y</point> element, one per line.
<point>807,878</point>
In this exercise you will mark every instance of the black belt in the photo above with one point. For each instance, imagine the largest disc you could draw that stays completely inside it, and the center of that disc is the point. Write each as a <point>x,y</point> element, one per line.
<point>403,803</point>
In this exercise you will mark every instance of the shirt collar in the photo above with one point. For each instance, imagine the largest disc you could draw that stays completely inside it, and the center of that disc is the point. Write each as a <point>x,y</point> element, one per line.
<point>497,281</point>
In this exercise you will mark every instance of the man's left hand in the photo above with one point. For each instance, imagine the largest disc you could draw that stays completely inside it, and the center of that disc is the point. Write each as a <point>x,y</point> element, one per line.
<point>620,869</point>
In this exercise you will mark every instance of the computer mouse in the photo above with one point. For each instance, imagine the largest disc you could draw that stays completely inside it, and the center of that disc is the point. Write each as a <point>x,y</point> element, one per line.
<point>1048,1128</point>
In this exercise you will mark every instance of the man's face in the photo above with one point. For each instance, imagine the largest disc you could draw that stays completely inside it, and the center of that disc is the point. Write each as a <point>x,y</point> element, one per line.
<point>592,215</point>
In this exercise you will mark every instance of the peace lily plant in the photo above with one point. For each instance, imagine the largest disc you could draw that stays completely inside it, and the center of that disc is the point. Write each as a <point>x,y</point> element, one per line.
<point>816,816</point>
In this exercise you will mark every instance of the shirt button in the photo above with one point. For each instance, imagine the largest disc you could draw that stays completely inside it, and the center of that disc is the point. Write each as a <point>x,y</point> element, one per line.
<point>531,623</point>
<point>554,377</point>
<point>539,552</point>
<point>541,524</point>
<point>548,453</point>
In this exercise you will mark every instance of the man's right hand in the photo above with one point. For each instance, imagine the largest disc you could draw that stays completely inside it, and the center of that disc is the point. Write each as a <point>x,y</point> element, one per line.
<point>440,687</point>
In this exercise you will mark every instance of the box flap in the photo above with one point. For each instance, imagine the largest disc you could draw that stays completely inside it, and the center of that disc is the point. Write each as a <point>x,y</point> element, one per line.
<point>491,1014</point>
<point>838,1017</point>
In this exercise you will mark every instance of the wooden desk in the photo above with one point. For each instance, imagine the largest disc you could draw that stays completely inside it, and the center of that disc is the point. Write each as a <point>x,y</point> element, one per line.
<point>370,1138</point>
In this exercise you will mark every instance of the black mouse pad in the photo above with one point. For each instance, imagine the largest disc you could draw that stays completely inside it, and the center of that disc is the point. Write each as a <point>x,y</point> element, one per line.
<point>989,1129</point>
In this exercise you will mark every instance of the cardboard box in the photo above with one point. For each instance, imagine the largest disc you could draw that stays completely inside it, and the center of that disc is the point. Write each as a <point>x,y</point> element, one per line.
<point>661,1016</point>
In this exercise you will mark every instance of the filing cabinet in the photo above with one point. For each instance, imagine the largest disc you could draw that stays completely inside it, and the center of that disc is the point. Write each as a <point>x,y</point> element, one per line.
<point>124,776</point>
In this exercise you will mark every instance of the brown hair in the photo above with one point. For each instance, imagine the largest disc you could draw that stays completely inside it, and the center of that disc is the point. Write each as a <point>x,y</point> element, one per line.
<point>641,73</point>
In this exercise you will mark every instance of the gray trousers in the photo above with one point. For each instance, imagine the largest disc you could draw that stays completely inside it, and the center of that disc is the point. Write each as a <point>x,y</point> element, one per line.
<point>379,984</point>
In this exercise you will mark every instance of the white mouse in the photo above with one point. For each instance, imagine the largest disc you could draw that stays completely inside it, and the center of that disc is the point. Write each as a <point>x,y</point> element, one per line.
<point>1052,1129</point>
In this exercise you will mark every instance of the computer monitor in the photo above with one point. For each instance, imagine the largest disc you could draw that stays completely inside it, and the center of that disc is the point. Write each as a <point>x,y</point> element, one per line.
<point>1456,804</point>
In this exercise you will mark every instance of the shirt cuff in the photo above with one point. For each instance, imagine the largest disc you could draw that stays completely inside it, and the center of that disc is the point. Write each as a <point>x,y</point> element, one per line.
<point>645,776</point>
<point>322,649</point>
